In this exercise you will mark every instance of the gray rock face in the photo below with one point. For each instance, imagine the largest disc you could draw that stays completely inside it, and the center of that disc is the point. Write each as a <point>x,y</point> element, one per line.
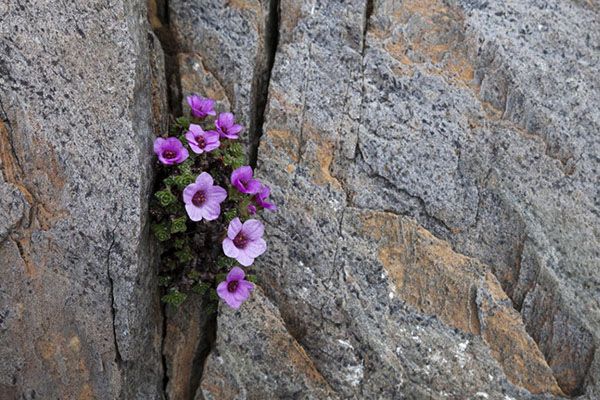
<point>78,296</point>
<point>268,362</point>
<point>436,167</point>
<point>231,39</point>
<point>454,114</point>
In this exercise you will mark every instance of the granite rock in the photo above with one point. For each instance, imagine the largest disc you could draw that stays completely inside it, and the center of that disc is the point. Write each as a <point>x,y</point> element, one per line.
<point>255,357</point>
<point>476,120</point>
<point>232,40</point>
<point>78,296</point>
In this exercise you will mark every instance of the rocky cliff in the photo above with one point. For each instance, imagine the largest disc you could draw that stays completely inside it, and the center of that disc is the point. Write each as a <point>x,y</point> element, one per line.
<point>436,166</point>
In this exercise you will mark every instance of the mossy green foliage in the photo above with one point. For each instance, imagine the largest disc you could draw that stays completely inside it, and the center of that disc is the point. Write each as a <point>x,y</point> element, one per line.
<point>190,252</point>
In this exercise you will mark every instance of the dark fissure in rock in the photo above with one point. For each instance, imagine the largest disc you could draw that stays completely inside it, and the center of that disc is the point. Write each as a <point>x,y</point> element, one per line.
<point>159,12</point>
<point>261,80</point>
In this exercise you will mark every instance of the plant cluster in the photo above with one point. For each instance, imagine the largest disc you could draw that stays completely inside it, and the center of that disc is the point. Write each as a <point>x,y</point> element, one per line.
<point>204,209</point>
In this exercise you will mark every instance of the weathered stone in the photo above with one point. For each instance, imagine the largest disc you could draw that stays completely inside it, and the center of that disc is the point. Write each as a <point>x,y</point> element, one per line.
<point>427,116</point>
<point>256,358</point>
<point>477,119</point>
<point>159,90</point>
<point>194,78</point>
<point>78,297</point>
<point>230,37</point>
<point>493,169</point>
<point>186,344</point>
<point>459,290</point>
<point>13,206</point>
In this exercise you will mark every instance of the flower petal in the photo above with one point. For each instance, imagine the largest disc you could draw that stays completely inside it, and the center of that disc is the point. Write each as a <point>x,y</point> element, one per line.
<point>235,226</point>
<point>253,229</point>
<point>211,210</point>
<point>216,193</point>
<point>229,298</point>
<point>236,274</point>
<point>247,285</point>
<point>195,129</point>
<point>241,174</point>
<point>234,303</point>
<point>222,289</point>
<point>195,148</point>
<point>241,294</point>
<point>189,192</point>
<point>183,155</point>
<point>226,119</point>
<point>253,186</point>
<point>195,213</point>
<point>204,180</point>
<point>158,144</point>
<point>229,248</point>
<point>256,247</point>
<point>244,259</point>
<point>235,129</point>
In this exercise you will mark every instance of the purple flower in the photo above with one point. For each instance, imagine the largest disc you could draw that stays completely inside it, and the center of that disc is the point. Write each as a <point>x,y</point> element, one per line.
<point>227,127</point>
<point>244,242</point>
<point>200,106</point>
<point>201,141</point>
<point>170,151</point>
<point>202,199</point>
<point>242,179</point>
<point>251,209</point>
<point>261,198</point>
<point>234,290</point>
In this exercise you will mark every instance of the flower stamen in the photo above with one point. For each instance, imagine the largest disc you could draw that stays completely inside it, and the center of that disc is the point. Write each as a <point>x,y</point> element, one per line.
<point>240,241</point>
<point>232,286</point>
<point>199,198</point>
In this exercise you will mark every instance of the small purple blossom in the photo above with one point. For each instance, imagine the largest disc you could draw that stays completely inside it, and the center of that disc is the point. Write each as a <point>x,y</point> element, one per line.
<point>244,242</point>
<point>202,199</point>
<point>170,151</point>
<point>242,179</point>
<point>201,141</point>
<point>261,198</point>
<point>226,126</point>
<point>251,209</point>
<point>200,106</point>
<point>235,289</point>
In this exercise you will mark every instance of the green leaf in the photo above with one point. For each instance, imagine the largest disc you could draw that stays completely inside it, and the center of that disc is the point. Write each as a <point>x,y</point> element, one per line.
<point>234,156</point>
<point>174,298</point>
<point>210,308</point>
<point>230,215</point>
<point>165,197</point>
<point>179,243</point>
<point>183,122</point>
<point>193,274</point>
<point>200,288</point>
<point>225,263</point>
<point>181,181</point>
<point>169,180</point>
<point>184,256</point>
<point>212,294</point>
<point>252,278</point>
<point>221,277</point>
<point>175,208</point>
<point>186,166</point>
<point>164,280</point>
<point>161,232</point>
<point>179,225</point>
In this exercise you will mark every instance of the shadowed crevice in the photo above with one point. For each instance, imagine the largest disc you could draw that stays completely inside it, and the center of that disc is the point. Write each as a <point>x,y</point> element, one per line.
<point>261,80</point>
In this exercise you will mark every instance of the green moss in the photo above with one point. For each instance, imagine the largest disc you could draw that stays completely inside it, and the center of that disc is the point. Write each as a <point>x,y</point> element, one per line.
<point>174,298</point>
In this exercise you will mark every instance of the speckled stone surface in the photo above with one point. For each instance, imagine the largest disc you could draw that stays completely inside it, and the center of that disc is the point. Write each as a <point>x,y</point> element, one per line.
<point>79,312</point>
<point>229,37</point>
<point>435,164</point>
<point>476,119</point>
<point>257,358</point>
